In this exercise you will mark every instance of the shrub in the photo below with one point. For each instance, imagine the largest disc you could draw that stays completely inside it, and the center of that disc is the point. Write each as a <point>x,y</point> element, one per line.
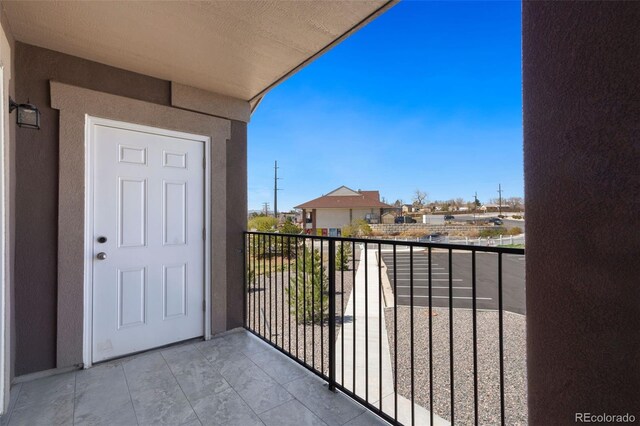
<point>263,223</point>
<point>343,253</point>
<point>287,245</point>
<point>308,289</point>
<point>515,231</point>
<point>359,228</point>
<point>494,232</point>
<point>288,227</point>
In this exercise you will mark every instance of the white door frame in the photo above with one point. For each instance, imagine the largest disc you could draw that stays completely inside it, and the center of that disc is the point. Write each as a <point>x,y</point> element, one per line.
<point>90,122</point>
<point>4,382</point>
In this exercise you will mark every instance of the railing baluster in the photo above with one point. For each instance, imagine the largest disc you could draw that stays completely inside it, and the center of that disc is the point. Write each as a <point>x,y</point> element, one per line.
<point>380,324</point>
<point>274,275</point>
<point>245,265</point>
<point>255,281</point>
<point>475,337</point>
<point>342,266</point>
<point>451,382</point>
<point>366,324</point>
<point>249,255</point>
<point>353,292</point>
<point>395,334</point>
<point>430,341</point>
<point>313,304</point>
<point>289,288</point>
<point>413,410</point>
<point>282,295</point>
<point>501,338</point>
<point>332,316</point>
<point>263,315</point>
<point>270,295</point>
<point>321,306</point>
<point>304,299</point>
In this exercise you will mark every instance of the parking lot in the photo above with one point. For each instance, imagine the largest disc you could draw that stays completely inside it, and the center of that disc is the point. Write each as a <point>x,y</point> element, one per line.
<point>513,274</point>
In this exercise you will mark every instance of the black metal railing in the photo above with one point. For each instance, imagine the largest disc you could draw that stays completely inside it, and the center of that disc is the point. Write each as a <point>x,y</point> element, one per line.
<point>371,318</point>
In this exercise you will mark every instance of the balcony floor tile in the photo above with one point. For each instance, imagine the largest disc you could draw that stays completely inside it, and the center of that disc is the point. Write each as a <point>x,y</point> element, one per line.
<point>233,379</point>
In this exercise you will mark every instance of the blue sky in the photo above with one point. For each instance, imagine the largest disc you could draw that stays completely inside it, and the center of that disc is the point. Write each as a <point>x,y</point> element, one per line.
<point>428,96</point>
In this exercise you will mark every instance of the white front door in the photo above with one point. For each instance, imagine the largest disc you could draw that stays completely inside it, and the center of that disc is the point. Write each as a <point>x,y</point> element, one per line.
<point>148,238</point>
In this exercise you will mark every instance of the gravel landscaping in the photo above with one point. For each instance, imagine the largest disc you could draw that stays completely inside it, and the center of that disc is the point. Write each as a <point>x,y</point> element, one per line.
<point>488,363</point>
<point>268,309</point>
<point>269,313</point>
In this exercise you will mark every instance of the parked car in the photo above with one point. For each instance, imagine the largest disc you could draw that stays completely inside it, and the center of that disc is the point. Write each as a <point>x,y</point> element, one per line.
<point>495,221</point>
<point>448,217</point>
<point>405,219</point>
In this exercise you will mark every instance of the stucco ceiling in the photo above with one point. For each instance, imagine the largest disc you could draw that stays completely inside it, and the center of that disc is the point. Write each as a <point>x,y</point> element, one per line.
<point>235,48</point>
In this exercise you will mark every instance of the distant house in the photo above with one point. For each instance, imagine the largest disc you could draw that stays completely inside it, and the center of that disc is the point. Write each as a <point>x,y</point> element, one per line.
<point>408,208</point>
<point>495,207</point>
<point>388,217</point>
<point>328,214</point>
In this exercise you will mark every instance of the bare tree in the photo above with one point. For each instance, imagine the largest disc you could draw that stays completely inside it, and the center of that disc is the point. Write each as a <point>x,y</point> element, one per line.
<point>419,198</point>
<point>515,202</point>
<point>398,203</point>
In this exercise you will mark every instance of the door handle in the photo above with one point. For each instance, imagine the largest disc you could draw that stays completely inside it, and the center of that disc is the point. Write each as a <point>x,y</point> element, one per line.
<point>102,255</point>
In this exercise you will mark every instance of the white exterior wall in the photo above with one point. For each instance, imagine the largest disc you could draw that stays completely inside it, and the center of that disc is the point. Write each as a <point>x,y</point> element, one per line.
<point>361,213</point>
<point>343,191</point>
<point>338,218</point>
<point>437,219</point>
<point>332,218</point>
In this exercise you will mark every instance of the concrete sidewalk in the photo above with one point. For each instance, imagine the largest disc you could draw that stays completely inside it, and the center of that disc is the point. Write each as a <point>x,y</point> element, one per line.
<point>363,329</point>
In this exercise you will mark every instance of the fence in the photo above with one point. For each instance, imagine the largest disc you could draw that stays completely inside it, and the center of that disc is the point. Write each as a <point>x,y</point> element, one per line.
<point>320,301</point>
<point>500,240</point>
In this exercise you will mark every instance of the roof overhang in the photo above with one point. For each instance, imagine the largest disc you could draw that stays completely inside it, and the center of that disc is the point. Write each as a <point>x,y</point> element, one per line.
<point>239,49</point>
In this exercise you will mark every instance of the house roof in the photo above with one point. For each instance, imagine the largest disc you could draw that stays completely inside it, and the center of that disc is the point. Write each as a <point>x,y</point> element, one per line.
<point>335,200</point>
<point>235,48</point>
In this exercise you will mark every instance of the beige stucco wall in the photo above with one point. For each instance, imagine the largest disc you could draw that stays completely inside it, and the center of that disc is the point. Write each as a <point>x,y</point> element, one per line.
<point>74,104</point>
<point>48,313</point>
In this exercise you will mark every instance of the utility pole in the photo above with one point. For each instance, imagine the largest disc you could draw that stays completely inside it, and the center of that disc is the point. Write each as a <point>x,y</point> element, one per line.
<point>275,190</point>
<point>499,200</point>
<point>475,205</point>
<point>265,206</point>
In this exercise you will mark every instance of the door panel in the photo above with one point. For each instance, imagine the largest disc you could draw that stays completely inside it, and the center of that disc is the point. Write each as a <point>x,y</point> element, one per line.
<point>148,201</point>
<point>132,212</point>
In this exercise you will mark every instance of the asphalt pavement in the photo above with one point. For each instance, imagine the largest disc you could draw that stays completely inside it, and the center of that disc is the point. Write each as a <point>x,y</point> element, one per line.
<point>460,282</point>
<point>481,217</point>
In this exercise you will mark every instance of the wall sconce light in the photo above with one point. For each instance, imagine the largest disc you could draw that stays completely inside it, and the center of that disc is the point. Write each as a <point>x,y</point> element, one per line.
<point>28,115</point>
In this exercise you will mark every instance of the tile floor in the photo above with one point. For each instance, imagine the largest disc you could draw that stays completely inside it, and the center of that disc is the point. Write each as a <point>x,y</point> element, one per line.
<point>235,379</point>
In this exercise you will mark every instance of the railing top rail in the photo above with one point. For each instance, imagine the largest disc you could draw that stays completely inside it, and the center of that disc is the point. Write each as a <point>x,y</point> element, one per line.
<point>464,247</point>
